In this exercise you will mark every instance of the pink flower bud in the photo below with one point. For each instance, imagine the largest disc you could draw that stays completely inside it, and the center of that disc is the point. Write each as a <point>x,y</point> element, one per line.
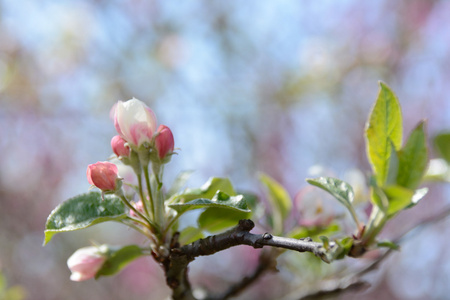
<point>103,175</point>
<point>85,263</point>
<point>118,146</point>
<point>164,142</point>
<point>135,122</point>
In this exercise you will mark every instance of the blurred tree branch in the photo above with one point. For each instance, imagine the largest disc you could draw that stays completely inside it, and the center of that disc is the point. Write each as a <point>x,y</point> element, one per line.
<point>177,262</point>
<point>355,282</point>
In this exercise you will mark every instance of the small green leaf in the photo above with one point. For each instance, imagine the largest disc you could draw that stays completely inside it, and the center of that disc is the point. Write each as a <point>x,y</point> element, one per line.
<point>83,211</point>
<point>399,198</point>
<point>413,159</point>
<point>314,231</point>
<point>220,200</point>
<point>279,199</point>
<point>207,191</point>
<point>442,144</point>
<point>384,124</point>
<point>325,241</point>
<point>216,219</point>
<point>250,198</point>
<point>340,249</point>
<point>388,244</point>
<point>118,258</point>
<point>190,234</point>
<point>340,190</point>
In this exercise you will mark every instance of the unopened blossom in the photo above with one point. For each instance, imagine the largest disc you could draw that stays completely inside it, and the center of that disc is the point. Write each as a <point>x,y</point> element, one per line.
<point>85,263</point>
<point>164,141</point>
<point>103,175</point>
<point>118,146</point>
<point>135,122</point>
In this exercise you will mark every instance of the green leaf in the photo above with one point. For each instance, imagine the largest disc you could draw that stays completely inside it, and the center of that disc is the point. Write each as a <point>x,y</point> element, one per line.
<point>413,159</point>
<point>190,234</point>
<point>220,200</point>
<point>279,199</point>
<point>314,231</point>
<point>325,241</point>
<point>207,191</point>
<point>384,124</point>
<point>388,244</point>
<point>340,249</point>
<point>216,219</point>
<point>118,258</point>
<point>399,198</point>
<point>251,199</point>
<point>442,144</point>
<point>339,189</point>
<point>83,211</point>
<point>393,168</point>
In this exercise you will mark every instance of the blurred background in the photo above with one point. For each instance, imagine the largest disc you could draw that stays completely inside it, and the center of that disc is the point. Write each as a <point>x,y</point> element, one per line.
<point>245,86</point>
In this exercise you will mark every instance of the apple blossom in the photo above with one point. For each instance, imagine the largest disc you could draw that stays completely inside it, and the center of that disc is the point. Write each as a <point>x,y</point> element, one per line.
<point>311,209</point>
<point>85,263</point>
<point>118,146</point>
<point>164,142</point>
<point>135,122</point>
<point>103,175</point>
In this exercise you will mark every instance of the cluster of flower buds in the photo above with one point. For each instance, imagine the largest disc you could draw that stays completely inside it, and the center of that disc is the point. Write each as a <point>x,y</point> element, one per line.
<point>138,142</point>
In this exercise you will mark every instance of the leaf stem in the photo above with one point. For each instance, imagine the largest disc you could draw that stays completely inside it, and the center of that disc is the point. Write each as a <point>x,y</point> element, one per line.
<point>355,218</point>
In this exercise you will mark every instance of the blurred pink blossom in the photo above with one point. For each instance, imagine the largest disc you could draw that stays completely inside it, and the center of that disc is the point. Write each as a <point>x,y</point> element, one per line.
<point>139,207</point>
<point>85,263</point>
<point>311,209</point>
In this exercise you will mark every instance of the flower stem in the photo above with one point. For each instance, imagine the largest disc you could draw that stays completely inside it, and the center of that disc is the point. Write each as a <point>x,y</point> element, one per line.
<point>137,228</point>
<point>144,199</point>
<point>171,222</point>
<point>150,226</point>
<point>156,216</point>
